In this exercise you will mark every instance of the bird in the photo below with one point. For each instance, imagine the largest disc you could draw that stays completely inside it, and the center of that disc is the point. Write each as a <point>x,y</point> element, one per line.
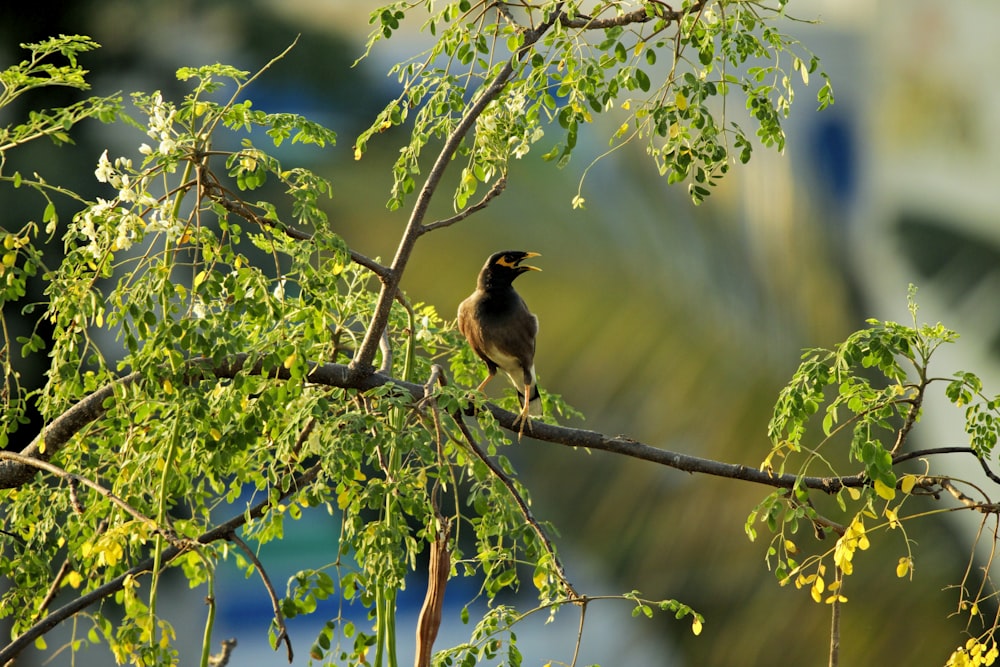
<point>501,330</point>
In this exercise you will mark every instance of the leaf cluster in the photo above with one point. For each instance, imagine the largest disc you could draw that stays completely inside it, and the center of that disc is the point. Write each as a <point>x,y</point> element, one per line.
<point>853,408</point>
<point>663,71</point>
<point>185,273</point>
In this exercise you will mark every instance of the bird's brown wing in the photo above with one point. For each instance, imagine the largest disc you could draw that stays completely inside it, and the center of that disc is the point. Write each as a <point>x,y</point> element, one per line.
<point>472,331</point>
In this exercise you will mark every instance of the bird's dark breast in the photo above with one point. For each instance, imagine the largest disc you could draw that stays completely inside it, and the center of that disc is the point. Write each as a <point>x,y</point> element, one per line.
<point>498,308</point>
<point>507,326</point>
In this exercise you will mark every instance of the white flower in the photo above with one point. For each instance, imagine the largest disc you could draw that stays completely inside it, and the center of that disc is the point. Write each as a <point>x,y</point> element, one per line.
<point>104,172</point>
<point>167,146</point>
<point>198,309</point>
<point>515,103</point>
<point>145,149</point>
<point>487,123</point>
<point>127,226</point>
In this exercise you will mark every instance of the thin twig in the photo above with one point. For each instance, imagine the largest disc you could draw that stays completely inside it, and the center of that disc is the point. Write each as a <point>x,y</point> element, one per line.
<point>386,348</point>
<point>107,493</point>
<point>949,486</point>
<point>948,450</point>
<point>835,627</point>
<point>53,589</point>
<point>494,191</point>
<point>579,632</point>
<point>522,505</point>
<point>279,618</point>
<point>221,659</point>
<point>220,195</point>
<point>911,416</point>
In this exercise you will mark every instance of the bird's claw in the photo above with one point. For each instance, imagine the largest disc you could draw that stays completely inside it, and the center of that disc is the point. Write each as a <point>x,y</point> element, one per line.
<point>523,420</point>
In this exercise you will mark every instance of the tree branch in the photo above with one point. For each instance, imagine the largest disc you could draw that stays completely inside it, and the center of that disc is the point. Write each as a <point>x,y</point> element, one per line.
<point>362,362</point>
<point>237,206</point>
<point>58,433</point>
<point>220,532</point>
<point>107,493</point>
<point>523,506</point>
<point>494,191</point>
<point>660,10</point>
<point>52,438</point>
<point>920,453</point>
<point>275,604</point>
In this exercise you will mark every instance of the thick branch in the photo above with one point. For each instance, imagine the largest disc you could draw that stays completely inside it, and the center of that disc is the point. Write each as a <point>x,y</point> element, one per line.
<point>92,407</point>
<point>362,362</point>
<point>59,431</point>
<point>656,10</point>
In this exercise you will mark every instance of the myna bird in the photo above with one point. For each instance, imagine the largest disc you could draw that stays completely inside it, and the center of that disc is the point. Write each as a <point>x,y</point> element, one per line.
<point>501,329</point>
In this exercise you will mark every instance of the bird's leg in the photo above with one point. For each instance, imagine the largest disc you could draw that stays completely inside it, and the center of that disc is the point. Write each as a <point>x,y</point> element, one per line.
<point>523,417</point>
<point>482,385</point>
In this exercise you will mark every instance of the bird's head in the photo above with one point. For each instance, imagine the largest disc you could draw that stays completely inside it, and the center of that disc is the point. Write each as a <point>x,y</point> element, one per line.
<point>503,267</point>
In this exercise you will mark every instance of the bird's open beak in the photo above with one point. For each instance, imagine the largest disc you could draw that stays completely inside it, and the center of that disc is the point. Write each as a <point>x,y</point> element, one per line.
<point>528,267</point>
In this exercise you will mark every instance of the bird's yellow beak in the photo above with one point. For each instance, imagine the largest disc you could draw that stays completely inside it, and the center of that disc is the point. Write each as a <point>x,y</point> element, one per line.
<point>528,255</point>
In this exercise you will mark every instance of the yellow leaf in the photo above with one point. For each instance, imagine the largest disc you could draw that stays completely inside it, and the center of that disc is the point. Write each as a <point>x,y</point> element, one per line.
<point>40,643</point>
<point>215,433</point>
<point>359,476</point>
<point>290,360</point>
<point>343,499</point>
<point>893,518</point>
<point>74,579</point>
<point>817,590</point>
<point>907,483</point>
<point>681,101</point>
<point>696,626</point>
<point>903,568</point>
<point>854,493</point>
<point>168,386</point>
<point>790,547</point>
<point>539,579</point>
<point>884,490</point>
<point>112,554</point>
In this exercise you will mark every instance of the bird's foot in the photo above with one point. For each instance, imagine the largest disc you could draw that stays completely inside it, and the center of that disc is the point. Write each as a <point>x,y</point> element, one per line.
<point>469,405</point>
<point>521,421</point>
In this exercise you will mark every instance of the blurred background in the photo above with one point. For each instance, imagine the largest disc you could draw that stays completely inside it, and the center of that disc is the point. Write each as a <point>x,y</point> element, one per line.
<point>672,324</point>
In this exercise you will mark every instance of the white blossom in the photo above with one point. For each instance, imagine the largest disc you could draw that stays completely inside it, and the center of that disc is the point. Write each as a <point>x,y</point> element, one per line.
<point>104,172</point>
